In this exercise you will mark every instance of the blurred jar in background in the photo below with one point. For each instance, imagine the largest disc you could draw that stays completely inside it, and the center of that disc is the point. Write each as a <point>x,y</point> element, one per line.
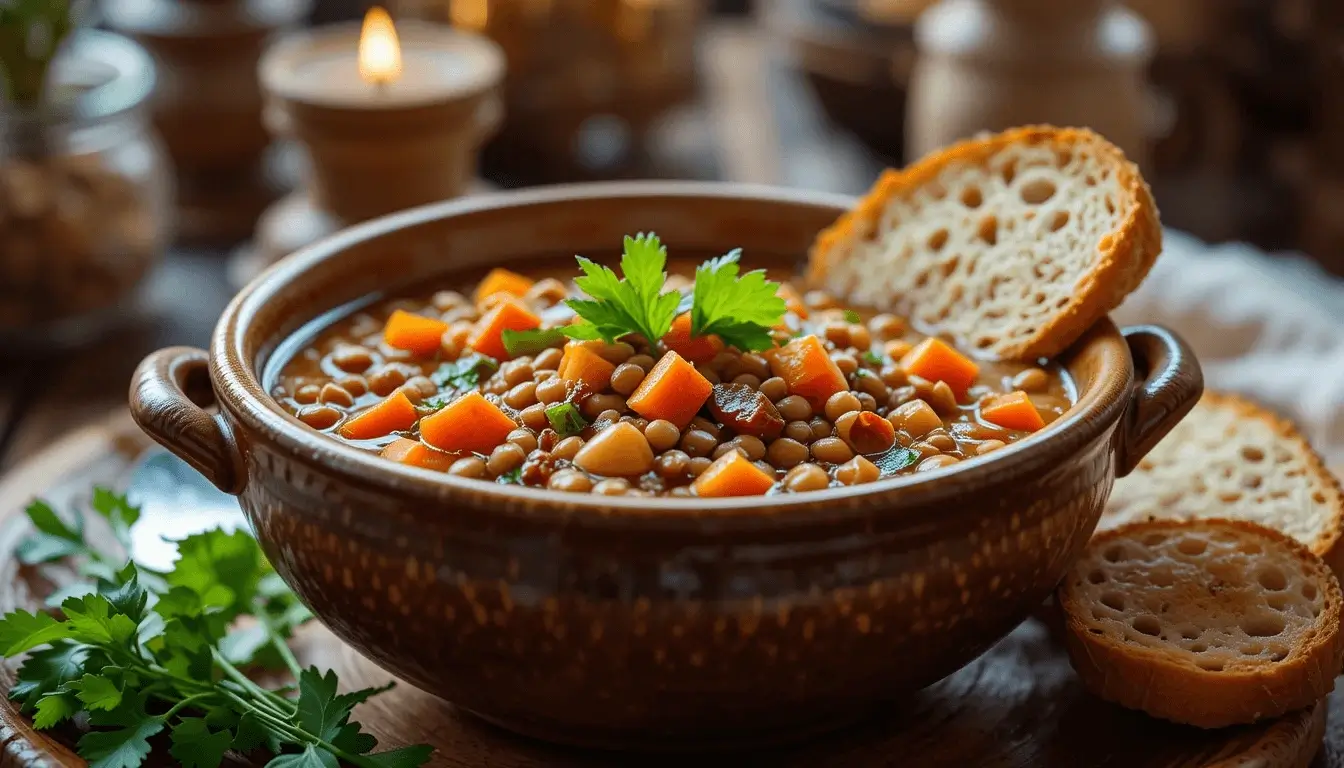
<point>588,80</point>
<point>85,189</point>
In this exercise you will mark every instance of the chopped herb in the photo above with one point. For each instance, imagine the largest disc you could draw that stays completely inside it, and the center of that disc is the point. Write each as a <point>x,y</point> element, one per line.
<point>531,342</point>
<point>143,652</point>
<point>565,419</point>
<point>465,372</point>
<point>896,459</point>
<point>512,477</point>
<point>853,317</point>
<point>635,304</point>
<point>739,310</point>
<point>432,405</point>
<point>872,358</point>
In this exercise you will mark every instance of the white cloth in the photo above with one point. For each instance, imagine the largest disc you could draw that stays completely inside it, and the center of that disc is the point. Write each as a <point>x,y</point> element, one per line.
<point>1268,327</point>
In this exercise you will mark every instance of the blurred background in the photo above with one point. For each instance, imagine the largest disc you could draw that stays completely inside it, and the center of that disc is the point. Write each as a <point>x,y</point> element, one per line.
<point>146,170</point>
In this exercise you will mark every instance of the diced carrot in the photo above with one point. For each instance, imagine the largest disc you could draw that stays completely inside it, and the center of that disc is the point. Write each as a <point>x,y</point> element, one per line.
<point>414,333</point>
<point>698,349</point>
<point>673,391</point>
<point>581,366</point>
<point>934,360</point>
<point>732,475</point>
<point>417,454</point>
<point>807,370</point>
<point>487,336</point>
<point>792,300</point>
<point>1013,411</point>
<point>469,423</point>
<point>395,413</point>
<point>501,280</point>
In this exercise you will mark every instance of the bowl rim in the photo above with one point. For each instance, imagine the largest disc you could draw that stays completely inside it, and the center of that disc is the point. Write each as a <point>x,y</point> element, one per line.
<point>240,392</point>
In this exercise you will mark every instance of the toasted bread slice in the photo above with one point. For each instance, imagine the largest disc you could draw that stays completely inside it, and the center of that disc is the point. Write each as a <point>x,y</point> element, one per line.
<point>1013,244</point>
<point>1204,622</point>
<point>1231,458</point>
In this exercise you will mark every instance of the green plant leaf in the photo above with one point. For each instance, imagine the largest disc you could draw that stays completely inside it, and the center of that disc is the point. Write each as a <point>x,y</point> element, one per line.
<point>54,708</point>
<point>636,304</point>
<point>739,310</point>
<point>93,620</point>
<point>195,746</point>
<point>126,744</point>
<point>47,670</point>
<point>96,692</point>
<point>21,631</point>
<point>565,419</point>
<point>406,757</point>
<point>118,512</point>
<point>465,372</point>
<point>519,343</point>
<point>310,757</point>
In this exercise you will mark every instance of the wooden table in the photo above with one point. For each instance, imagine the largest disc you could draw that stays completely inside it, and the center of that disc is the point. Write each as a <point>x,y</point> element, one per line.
<point>757,123</point>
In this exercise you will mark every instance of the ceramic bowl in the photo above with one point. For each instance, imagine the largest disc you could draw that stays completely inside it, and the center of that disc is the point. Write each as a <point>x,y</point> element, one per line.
<point>635,622</point>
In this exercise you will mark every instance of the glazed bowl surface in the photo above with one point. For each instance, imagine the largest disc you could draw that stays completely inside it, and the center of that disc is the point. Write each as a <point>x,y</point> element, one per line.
<point>636,622</point>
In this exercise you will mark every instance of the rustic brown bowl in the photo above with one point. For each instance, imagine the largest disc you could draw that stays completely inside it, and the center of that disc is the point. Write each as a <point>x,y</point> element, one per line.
<point>632,622</point>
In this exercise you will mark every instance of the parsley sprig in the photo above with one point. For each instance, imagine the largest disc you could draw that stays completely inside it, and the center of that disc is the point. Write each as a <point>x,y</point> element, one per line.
<point>635,304</point>
<point>140,652</point>
<point>739,310</point>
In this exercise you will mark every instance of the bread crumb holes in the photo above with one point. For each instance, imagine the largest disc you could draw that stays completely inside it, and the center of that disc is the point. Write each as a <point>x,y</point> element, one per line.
<point>1037,191</point>
<point>1148,625</point>
<point>1096,577</point>
<point>1059,221</point>
<point>1191,546</point>
<point>1309,590</point>
<point>1211,665</point>
<point>1267,625</point>
<point>1189,633</point>
<point>989,230</point>
<point>1252,454</point>
<point>1272,578</point>
<point>1113,600</point>
<point>971,197</point>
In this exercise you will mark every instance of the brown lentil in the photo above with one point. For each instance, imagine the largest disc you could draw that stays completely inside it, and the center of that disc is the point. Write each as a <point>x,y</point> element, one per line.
<point>645,362</point>
<point>942,399</point>
<point>594,405</point>
<point>547,359</point>
<point>319,416</point>
<point>516,372</point>
<point>672,464</point>
<point>523,438</point>
<point>568,448</point>
<point>355,385</point>
<point>794,408</point>
<point>869,384</point>
<point>988,446</point>
<point>886,326</point>
<point>748,380</point>
<point>806,477</point>
<point>710,375</point>
<point>697,465</point>
<point>915,419</point>
<point>846,363</point>
<point>627,378</point>
<point>505,458</point>
<point>547,291</point>
<point>468,467</point>
<point>787,452</point>
<point>831,450</point>
<point>307,394</point>
<point>1031,380</point>
<point>552,391</point>
<point>522,396</point>
<point>857,471</point>
<point>936,462</point>
<point>335,394</point>
<point>751,445</point>
<point>352,359</point>
<point>798,431</point>
<point>386,379</point>
<point>698,443</point>
<point>942,442</point>
<point>534,417</point>
<point>616,353</point>
<point>705,425</point>
<point>612,486</point>
<point>820,428</point>
<point>774,388</point>
<point>661,434</point>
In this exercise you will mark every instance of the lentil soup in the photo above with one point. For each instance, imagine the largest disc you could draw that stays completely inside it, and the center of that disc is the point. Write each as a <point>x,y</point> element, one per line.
<point>753,387</point>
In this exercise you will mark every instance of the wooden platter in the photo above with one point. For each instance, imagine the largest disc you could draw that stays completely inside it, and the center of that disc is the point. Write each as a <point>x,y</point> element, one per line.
<point>1018,706</point>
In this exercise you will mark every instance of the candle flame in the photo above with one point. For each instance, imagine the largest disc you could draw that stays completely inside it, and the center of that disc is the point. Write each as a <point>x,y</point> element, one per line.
<point>379,49</point>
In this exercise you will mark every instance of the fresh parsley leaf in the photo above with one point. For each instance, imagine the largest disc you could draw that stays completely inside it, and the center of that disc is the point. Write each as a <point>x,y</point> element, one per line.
<point>464,372</point>
<point>512,477</point>
<point>195,746</point>
<point>319,713</point>
<point>223,568</point>
<point>47,670</point>
<point>637,304</point>
<point>739,310</point>
<point>96,691</point>
<point>92,620</point>
<point>126,595</point>
<point>250,733</point>
<point>53,539</point>
<point>45,519</point>
<point>872,358</point>
<point>22,631</point>
<point>128,745</point>
<point>565,419</point>
<point>54,708</point>
<point>406,757</point>
<point>310,757</point>
<point>519,343</point>
<point>853,317</point>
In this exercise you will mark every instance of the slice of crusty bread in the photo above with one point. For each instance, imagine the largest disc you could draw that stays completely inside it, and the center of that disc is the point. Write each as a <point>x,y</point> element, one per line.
<point>1231,458</point>
<point>1014,244</point>
<point>1205,622</point>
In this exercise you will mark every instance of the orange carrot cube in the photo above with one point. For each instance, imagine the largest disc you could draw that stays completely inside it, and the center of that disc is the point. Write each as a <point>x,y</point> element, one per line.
<point>582,367</point>
<point>732,474</point>
<point>698,349</point>
<point>470,423</point>
<point>934,360</point>
<point>792,300</point>
<point>416,454</point>
<point>807,370</point>
<point>394,413</point>
<point>414,333</point>
<point>488,335</point>
<point>673,391</point>
<point>1013,411</point>
<point>501,280</point>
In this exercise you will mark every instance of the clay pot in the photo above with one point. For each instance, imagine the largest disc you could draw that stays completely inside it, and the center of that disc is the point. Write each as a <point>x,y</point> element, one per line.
<point>643,622</point>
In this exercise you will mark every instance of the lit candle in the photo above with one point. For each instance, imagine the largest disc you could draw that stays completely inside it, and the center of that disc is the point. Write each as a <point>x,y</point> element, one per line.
<point>392,116</point>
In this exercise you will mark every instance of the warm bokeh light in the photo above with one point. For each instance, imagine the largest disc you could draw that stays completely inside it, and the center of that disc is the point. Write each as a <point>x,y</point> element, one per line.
<point>472,15</point>
<point>379,49</point>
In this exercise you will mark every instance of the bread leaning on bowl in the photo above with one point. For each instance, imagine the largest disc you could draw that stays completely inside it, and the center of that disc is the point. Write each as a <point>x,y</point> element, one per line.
<point>1231,458</point>
<point>1013,244</point>
<point>1205,622</point>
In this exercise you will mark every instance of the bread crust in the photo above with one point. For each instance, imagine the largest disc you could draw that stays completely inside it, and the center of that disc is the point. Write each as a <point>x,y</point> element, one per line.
<point>1123,259</point>
<point>1329,545</point>
<point>1163,681</point>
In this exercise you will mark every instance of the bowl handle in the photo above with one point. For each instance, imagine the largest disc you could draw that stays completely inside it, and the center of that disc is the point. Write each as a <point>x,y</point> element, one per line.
<point>169,393</point>
<point>1169,384</point>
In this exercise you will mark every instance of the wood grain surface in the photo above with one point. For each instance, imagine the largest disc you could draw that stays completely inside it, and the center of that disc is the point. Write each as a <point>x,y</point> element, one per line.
<point>1018,706</point>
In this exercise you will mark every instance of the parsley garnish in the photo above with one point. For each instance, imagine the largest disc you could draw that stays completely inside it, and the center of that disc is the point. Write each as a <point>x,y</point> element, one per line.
<point>465,372</point>
<point>635,304</point>
<point>739,310</point>
<point>512,477</point>
<point>565,419</point>
<point>853,317</point>
<point>872,358</point>
<point>531,342</point>
<point>140,652</point>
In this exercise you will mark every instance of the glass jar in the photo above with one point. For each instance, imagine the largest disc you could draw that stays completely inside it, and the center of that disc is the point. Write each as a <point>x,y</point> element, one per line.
<point>85,191</point>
